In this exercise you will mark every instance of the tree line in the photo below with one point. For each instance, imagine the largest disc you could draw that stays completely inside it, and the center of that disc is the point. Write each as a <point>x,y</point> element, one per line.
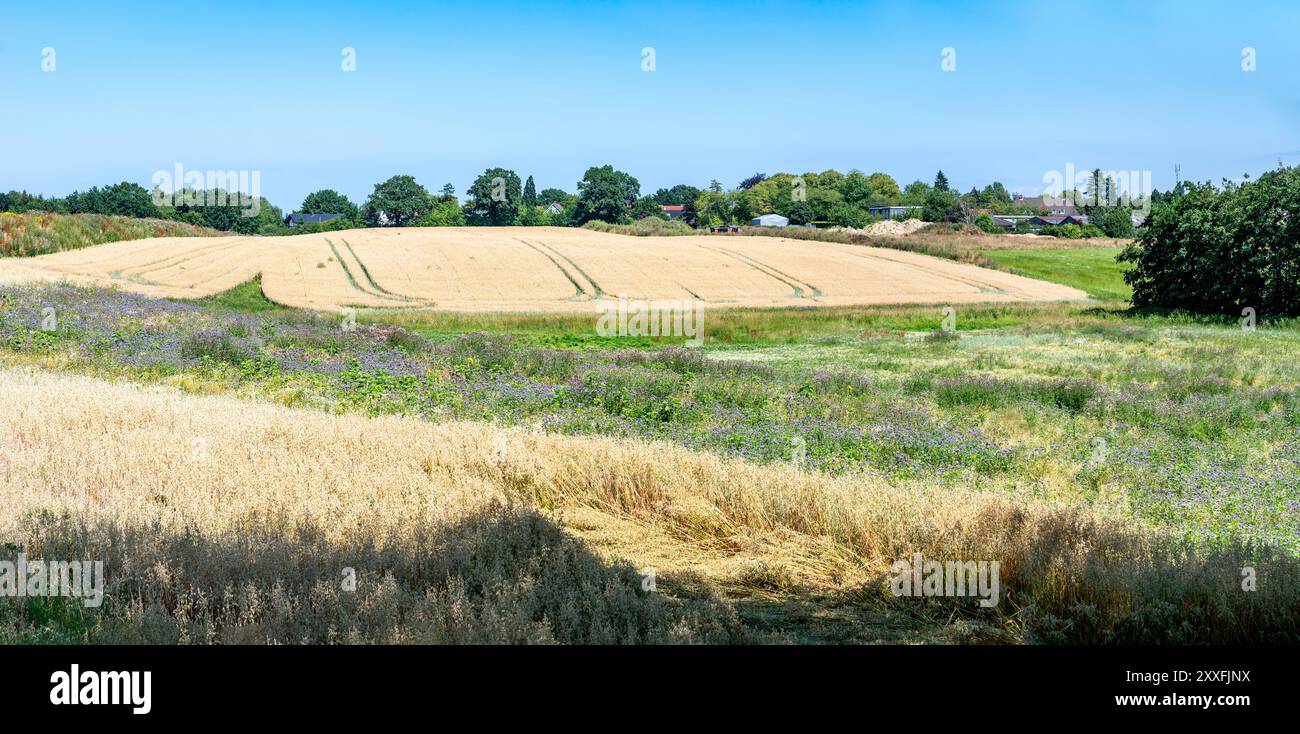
<point>498,197</point>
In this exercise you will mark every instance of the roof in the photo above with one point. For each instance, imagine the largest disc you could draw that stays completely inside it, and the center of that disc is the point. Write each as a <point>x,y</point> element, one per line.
<point>672,207</point>
<point>1062,219</point>
<point>300,218</point>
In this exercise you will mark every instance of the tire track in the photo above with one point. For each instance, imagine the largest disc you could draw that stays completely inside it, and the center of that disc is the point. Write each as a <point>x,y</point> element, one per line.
<point>775,275</point>
<point>352,278</point>
<point>369,279</point>
<point>579,292</point>
<point>816,292</point>
<point>600,292</point>
<point>982,287</point>
<point>174,260</point>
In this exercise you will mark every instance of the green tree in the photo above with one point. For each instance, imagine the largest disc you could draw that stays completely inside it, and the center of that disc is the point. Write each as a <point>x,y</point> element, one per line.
<point>606,194</point>
<point>1115,221</point>
<point>647,207</point>
<point>800,213</point>
<point>679,195</point>
<point>530,193</point>
<point>551,196</point>
<point>856,189</point>
<point>713,208</point>
<point>996,194</point>
<point>847,215</point>
<point>683,195</point>
<point>123,199</point>
<point>916,193</point>
<point>493,198</point>
<point>940,182</point>
<point>942,205</point>
<point>443,214</point>
<point>396,202</point>
<point>329,201</point>
<point>884,189</point>
<point>1222,251</point>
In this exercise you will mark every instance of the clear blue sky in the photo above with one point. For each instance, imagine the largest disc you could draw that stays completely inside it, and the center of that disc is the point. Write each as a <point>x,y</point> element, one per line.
<point>547,88</point>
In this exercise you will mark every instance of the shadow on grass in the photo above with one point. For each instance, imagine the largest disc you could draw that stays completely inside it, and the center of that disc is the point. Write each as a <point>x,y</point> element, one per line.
<point>504,575</point>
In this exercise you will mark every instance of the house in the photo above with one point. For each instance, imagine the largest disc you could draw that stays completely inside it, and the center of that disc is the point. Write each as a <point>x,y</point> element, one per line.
<point>673,211</point>
<point>1009,222</point>
<point>889,212</point>
<point>1057,206</point>
<point>770,220</point>
<point>298,218</point>
<point>1057,220</point>
<point>554,208</point>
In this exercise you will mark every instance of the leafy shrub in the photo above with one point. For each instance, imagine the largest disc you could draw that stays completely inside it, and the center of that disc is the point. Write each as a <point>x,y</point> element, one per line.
<point>218,346</point>
<point>647,227</point>
<point>1221,251</point>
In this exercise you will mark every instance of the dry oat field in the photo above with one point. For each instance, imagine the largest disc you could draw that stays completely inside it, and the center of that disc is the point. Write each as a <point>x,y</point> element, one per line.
<point>542,269</point>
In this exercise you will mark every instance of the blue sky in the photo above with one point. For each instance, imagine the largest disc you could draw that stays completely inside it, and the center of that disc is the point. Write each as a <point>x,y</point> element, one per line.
<point>546,88</point>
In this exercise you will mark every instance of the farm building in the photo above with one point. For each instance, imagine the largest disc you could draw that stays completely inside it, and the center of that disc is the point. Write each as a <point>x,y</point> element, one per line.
<point>673,211</point>
<point>889,212</point>
<point>298,218</point>
<point>1079,219</point>
<point>770,220</point>
<point>554,208</point>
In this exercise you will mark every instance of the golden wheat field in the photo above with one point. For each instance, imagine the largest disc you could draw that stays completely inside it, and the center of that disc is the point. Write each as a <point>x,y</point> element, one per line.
<point>229,520</point>
<point>529,269</point>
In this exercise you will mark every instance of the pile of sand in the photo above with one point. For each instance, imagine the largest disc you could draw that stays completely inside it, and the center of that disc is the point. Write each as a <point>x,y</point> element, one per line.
<point>890,227</point>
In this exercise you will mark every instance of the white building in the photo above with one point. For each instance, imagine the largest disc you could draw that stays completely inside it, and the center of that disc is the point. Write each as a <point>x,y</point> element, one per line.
<point>770,220</point>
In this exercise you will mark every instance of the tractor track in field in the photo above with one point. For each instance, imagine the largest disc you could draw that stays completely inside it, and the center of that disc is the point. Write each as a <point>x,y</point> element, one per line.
<point>176,260</point>
<point>579,292</point>
<point>353,280</point>
<point>983,287</point>
<point>771,272</point>
<point>370,279</point>
<point>597,290</point>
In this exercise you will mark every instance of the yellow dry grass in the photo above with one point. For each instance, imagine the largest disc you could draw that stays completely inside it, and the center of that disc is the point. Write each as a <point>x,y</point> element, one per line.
<point>530,269</point>
<point>241,516</point>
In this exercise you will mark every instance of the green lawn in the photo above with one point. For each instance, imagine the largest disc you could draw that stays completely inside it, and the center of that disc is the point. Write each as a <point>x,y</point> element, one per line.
<point>1092,269</point>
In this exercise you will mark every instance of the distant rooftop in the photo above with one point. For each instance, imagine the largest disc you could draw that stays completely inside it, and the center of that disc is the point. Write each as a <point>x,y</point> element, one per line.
<point>300,218</point>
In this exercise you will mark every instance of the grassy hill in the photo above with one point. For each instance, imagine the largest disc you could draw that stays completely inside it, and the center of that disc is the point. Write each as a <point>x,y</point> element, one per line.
<point>39,233</point>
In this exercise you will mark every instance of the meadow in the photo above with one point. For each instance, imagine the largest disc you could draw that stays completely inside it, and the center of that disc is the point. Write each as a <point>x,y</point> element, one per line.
<point>32,234</point>
<point>1123,465</point>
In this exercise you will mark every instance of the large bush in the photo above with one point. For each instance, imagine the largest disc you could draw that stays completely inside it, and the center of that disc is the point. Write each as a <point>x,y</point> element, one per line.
<point>1223,250</point>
